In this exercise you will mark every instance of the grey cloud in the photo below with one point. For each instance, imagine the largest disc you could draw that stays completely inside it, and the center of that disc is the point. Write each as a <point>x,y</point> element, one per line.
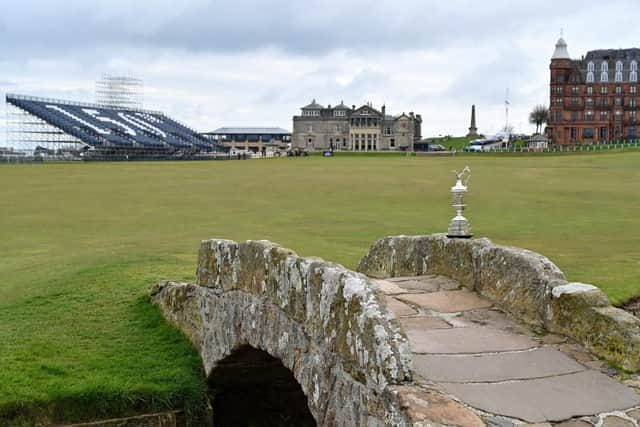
<point>291,26</point>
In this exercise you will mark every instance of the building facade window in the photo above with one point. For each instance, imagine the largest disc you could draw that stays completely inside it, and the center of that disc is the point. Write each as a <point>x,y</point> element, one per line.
<point>631,132</point>
<point>589,101</point>
<point>574,133</point>
<point>632,116</point>
<point>589,90</point>
<point>633,76</point>
<point>603,115</point>
<point>604,66</point>
<point>575,89</point>
<point>604,134</point>
<point>618,90</point>
<point>618,101</point>
<point>587,133</point>
<point>604,90</point>
<point>633,89</point>
<point>618,76</point>
<point>574,116</point>
<point>588,115</point>
<point>591,66</point>
<point>590,78</point>
<point>339,113</point>
<point>618,65</point>
<point>604,76</point>
<point>558,89</point>
<point>633,102</point>
<point>633,65</point>
<point>617,131</point>
<point>558,116</point>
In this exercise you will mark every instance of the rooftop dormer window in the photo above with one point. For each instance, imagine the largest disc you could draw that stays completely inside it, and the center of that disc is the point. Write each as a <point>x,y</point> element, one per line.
<point>604,77</point>
<point>604,66</point>
<point>633,66</point>
<point>619,66</point>
<point>591,66</point>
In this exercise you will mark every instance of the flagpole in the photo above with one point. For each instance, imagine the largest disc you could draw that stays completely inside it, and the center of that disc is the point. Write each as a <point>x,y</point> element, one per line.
<point>506,108</point>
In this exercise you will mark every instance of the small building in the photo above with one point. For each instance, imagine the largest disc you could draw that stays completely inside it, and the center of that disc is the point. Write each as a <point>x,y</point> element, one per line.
<point>355,129</point>
<point>538,142</point>
<point>255,139</point>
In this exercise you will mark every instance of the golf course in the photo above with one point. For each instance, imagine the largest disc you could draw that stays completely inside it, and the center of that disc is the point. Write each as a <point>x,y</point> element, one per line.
<point>81,244</point>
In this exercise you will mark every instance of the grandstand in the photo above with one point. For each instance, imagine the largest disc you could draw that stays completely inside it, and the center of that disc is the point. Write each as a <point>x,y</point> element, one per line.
<point>98,132</point>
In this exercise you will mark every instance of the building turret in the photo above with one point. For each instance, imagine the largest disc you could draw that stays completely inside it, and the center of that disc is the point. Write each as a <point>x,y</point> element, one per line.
<point>561,51</point>
<point>560,69</point>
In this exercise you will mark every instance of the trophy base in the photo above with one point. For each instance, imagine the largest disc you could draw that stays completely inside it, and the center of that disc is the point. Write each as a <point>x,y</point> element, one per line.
<point>459,228</point>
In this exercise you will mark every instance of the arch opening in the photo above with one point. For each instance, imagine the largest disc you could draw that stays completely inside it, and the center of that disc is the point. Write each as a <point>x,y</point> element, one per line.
<point>251,388</point>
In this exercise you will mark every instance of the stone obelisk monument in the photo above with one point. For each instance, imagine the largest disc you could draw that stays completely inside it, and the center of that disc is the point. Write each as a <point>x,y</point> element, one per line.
<point>473,130</point>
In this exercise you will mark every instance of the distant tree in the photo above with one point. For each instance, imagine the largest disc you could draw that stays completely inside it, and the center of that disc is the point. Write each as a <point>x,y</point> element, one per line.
<point>539,116</point>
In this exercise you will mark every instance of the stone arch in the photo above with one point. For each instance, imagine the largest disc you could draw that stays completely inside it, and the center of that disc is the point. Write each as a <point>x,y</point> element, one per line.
<point>327,325</point>
<point>250,387</point>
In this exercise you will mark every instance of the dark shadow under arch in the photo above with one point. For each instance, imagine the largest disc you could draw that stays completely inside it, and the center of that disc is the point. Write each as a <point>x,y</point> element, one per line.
<point>252,388</point>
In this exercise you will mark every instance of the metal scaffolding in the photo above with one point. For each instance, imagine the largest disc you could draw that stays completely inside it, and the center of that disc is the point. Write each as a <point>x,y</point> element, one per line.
<point>28,132</point>
<point>119,92</point>
<point>31,138</point>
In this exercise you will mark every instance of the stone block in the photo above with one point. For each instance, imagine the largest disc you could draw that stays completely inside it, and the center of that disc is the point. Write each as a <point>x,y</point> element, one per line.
<point>448,301</point>
<point>431,407</point>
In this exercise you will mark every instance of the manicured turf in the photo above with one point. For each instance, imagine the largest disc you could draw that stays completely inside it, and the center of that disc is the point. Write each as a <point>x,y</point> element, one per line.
<point>81,244</point>
<point>453,142</point>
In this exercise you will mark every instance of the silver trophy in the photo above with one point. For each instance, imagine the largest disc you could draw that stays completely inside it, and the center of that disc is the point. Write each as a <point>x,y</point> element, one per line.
<point>459,226</point>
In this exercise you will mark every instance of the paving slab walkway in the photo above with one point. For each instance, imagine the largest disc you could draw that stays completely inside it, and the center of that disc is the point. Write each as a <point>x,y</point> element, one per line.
<point>496,367</point>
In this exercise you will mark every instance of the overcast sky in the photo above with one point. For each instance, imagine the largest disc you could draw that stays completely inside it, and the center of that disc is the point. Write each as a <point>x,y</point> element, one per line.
<point>256,62</point>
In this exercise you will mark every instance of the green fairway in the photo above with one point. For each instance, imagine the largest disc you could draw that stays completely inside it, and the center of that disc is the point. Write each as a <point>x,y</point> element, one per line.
<point>453,142</point>
<point>81,244</point>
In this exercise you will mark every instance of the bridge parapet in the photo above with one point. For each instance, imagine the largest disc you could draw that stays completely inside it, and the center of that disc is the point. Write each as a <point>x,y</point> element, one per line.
<point>328,325</point>
<point>525,284</point>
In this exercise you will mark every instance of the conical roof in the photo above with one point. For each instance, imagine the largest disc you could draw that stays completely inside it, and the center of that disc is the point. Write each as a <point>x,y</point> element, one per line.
<point>561,51</point>
<point>341,106</point>
<point>313,106</point>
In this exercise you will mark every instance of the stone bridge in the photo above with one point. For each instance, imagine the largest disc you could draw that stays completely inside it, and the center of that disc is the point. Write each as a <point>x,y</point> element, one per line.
<point>432,331</point>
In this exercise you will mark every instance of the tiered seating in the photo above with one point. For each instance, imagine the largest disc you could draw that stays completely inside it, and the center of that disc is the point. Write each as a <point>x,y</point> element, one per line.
<point>114,128</point>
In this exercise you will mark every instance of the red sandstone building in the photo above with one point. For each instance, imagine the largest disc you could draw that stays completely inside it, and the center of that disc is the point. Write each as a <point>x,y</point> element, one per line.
<point>593,99</point>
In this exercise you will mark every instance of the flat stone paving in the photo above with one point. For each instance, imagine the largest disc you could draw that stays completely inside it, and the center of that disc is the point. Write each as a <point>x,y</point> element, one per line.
<point>469,350</point>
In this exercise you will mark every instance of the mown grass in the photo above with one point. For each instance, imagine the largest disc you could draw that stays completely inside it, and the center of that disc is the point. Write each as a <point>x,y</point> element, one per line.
<point>452,142</point>
<point>80,244</point>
